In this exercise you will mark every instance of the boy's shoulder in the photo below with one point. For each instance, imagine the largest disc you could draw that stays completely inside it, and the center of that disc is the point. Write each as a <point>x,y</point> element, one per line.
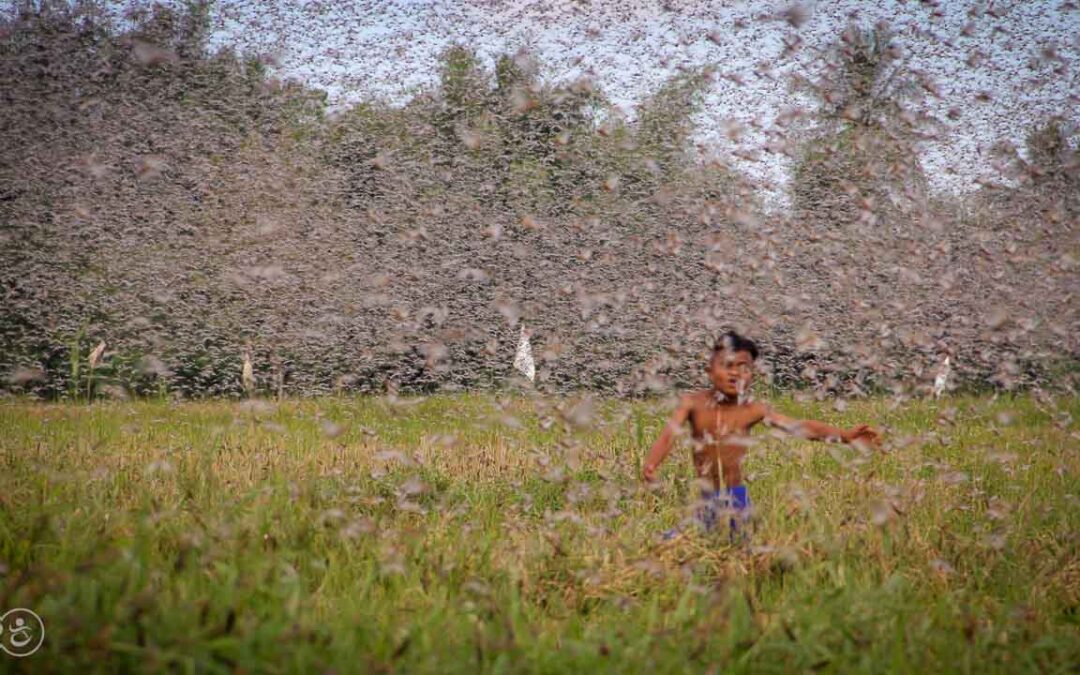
<point>698,397</point>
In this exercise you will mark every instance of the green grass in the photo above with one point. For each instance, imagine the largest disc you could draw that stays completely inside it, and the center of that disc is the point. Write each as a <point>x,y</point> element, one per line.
<point>465,533</point>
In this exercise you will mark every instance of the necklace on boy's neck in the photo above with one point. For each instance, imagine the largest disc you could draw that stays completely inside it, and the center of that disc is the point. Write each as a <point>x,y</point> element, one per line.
<point>719,397</point>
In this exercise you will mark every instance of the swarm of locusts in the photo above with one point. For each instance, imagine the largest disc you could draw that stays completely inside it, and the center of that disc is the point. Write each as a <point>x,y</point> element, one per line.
<point>357,336</point>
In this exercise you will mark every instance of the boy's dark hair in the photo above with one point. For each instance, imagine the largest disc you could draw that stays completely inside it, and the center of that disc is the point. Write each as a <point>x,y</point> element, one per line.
<point>736,343</point>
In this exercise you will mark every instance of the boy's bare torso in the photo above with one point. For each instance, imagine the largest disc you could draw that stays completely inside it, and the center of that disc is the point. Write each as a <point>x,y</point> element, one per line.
<point>721,433</point>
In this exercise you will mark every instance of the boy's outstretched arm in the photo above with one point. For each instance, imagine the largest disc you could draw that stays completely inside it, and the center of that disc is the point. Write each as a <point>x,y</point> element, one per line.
<point>819,431</point>
<point>663,445</point>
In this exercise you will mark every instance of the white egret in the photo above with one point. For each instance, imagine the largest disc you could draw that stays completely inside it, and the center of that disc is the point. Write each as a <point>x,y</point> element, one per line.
<point>523,361</point>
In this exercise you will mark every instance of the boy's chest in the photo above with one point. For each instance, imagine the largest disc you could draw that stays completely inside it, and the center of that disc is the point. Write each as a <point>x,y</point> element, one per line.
<point>719,420</point>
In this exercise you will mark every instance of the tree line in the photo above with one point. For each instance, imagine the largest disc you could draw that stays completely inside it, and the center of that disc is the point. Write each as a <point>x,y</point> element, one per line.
<point>178,202</point>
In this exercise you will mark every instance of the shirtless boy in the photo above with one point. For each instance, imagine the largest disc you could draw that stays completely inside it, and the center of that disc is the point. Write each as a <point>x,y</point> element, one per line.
<point>721,419</point>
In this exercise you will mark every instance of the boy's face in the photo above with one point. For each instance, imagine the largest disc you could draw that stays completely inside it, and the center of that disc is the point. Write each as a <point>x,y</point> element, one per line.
<point>731,372</point>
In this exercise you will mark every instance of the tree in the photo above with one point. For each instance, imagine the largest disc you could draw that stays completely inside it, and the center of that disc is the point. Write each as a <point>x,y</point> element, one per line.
<point>860,164</point>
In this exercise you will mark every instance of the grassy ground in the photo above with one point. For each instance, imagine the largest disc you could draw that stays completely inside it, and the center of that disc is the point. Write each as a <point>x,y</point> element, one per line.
<point>455,534</point>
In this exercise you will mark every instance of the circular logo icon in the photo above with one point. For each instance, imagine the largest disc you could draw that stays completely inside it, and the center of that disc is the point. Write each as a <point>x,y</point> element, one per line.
<point>21,632</point>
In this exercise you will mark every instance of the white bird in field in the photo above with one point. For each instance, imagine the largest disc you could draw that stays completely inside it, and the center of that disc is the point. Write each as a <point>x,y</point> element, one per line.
<point>523,361</point>
<point>247,373</point>
<point>942,378</point>
<point>95,356</point>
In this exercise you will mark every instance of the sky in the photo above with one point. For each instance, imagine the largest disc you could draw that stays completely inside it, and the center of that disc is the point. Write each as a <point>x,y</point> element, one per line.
<point>998,67</point>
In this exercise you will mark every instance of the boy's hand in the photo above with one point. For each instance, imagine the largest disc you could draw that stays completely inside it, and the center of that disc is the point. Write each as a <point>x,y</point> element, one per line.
<point>862,433</point>
<point>648,472</point>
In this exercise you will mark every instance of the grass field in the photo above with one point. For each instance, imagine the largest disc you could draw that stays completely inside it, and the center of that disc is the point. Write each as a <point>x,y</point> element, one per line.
<point>465,533</point>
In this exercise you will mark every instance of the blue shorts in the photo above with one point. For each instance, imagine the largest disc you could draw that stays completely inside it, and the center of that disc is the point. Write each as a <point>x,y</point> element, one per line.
<point>723,500</point>
<point>714,504</point>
